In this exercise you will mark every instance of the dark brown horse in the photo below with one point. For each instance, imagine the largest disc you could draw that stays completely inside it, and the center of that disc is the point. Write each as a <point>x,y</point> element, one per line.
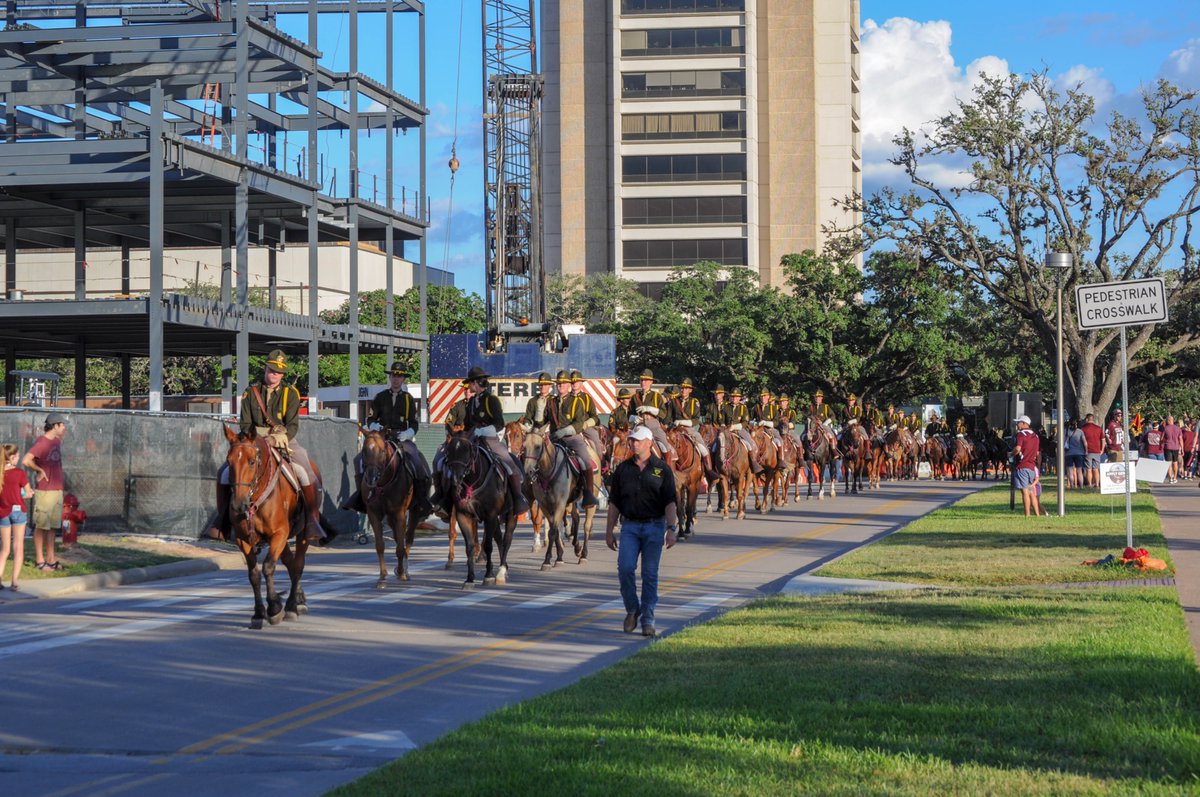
<point>734,459</point>
<point>935,454</point>
<point>387,490</point>
<point>790,455</point>
<point>265,511</point>
<point>478,488</point>
<point>766,453</point>
<point>856,445</point>
<point>710,432</point>
<point>689,474</point>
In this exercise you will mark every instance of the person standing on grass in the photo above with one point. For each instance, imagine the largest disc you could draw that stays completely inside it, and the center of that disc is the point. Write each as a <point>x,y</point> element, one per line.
<point>1076,455</point>
<point>45,459</point>
<point>14,489</point>
<point>642,497</point>
<point>1114,438</point>
<point>1173,448</point>
<point>1093,437</point>
<point>1025,451</point>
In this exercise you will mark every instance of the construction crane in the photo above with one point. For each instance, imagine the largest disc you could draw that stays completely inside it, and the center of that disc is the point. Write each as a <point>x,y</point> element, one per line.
<point>516,301</point>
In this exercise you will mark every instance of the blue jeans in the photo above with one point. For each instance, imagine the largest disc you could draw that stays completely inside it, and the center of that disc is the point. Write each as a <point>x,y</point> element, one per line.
<point>644,539</point>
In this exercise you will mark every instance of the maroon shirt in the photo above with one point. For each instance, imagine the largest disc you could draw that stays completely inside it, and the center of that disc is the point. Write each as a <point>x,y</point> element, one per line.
<point>1189,439</point>
<point>1114,436</point>
<point>1172,437</point>
<point>10,493</point>
<point>47,454</point>
<point>1027,444</point>
<point>1154,441</point>
<point>1094,436</point>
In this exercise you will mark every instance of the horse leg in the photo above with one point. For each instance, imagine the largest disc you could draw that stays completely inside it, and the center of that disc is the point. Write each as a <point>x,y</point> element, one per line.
<point>254,573</point>
<point>376,522</point>
<point>489,574</point>
<point>402,534</point>
<point>589,516</point>
<point>833,466</point>
<point>552,540</point>
<point>470,532</point>
<point>296,604</point>
<point>505,538</point>
<point>451,532</point>
<point>274,603</point>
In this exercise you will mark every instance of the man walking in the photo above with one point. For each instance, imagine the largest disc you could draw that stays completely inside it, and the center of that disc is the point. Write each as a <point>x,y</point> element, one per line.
<point>1172,446</point>
<point>45,459</point>
<point>642,497</point>
<point>1093,437</point>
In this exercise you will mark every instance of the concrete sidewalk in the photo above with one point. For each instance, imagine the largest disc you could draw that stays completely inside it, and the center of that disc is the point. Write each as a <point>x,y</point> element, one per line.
<point>1179,507</point>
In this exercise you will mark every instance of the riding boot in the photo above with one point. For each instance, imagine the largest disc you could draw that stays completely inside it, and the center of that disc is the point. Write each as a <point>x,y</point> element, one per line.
<point>223,530</point>
<point>312,515</point>
<point>517,493</point>
<point>355,502</point>
<point>421,507</point>
<point>589,488</point>
<point>710,474</point>
<point>755,467</point>
<point>438,500</point>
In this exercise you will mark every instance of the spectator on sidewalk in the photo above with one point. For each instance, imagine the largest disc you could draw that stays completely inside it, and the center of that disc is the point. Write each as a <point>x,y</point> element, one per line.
<point>1153,441</point>
<point>1114,438</point>
<point>1188,448</point>
<point>1093,436</point>
<point>14,489</point>
<point>1026,452</point>
<point>1076,454</point>
<point>45,459</point>
<point>1172,448</point>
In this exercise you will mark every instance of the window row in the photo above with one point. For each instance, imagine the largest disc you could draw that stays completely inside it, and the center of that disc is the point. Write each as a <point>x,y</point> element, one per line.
<point>669,254</point>
<point>710,83</point>
<point>683,168</point>
<point>684,210</point>
<point>663,126</point>
<point>662,6</point>
<point>682,41</point>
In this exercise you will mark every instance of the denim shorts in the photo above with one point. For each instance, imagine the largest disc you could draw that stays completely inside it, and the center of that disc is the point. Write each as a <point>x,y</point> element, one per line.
<point>14,518</point>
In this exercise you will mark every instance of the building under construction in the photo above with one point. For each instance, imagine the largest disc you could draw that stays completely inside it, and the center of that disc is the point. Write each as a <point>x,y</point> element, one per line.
<point>149,125</point>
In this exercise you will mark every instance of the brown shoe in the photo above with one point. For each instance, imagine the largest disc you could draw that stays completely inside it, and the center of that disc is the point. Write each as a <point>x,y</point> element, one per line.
<point>649,630</point>
<point>631,622</point>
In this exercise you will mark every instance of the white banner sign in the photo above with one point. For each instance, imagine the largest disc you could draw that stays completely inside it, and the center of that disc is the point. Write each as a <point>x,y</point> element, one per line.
<point>1112,477</point>
<point>1118,304</point>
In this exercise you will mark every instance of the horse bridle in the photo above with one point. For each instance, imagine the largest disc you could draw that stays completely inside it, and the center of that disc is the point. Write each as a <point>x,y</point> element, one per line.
<point>258,475</point>
<point>393,458</point>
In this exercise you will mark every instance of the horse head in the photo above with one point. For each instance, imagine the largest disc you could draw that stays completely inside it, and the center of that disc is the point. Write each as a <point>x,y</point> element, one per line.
<point>376,456</point>
<point>249,463</point>
<point>619,448</point>
<point>514,437</point>
<point>460,459</point>
<point>537,454</point>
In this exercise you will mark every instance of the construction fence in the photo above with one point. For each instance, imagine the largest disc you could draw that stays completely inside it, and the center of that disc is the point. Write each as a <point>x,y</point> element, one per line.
<point>155,473</point>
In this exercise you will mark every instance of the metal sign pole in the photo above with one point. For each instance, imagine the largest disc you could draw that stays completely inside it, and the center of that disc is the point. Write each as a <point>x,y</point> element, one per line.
<point>1129,475</point>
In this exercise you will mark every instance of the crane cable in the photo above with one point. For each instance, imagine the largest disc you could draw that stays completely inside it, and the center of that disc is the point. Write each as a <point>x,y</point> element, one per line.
<point>453,163</point>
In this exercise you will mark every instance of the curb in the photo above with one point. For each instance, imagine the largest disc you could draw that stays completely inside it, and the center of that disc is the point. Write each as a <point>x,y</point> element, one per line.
<point>71,585</point>
<point>821,585</point>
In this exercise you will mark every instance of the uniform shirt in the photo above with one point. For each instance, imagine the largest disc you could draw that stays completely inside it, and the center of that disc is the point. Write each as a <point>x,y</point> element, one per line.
<point>686,409</point>
<point>652,398</point>
<point>1027,445</point>
<point>737,413</point>
<point>576,410</point>
<point>457,416</point>
<point>717,413</point>
<point>786,417</point>
<point>619,418</point>
<point>395,411</point>
<point>483,409</point>
<point>642,493</point>
<point>283,409</point>
<point>765,412</point>
<point>852,411</point>
<point>875,416</point>
<point>550,412</point>
<point>821,411</point>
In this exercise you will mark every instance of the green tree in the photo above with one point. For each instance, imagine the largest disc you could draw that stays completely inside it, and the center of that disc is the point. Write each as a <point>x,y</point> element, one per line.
<point>1121,201</point>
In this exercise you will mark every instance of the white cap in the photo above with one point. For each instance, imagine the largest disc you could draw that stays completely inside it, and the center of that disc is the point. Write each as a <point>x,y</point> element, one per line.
<point>641,433</point>
<point>1022,419</point>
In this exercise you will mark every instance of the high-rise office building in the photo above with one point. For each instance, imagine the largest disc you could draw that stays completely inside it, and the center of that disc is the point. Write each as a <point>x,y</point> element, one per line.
<point>676,131</point>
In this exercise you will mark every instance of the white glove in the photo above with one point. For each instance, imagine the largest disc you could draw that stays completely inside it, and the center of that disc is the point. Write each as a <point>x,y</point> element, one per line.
<point>406,435</point>
<point>589,423</point>
<point>564,433</point>
<point>527,427</point>
<point>375,426</point>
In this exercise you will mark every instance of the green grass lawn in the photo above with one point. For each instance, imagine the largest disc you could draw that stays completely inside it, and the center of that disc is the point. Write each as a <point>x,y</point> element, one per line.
<point>97,555</point>
<point>970,690</point>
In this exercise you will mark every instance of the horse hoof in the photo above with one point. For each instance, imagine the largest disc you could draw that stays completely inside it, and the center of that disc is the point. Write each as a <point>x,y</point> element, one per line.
<point>381,583</point>
<point>583,560</point>
<point>302,608</point>
<point>275,619</point>
<point>468,585</point>
<point>256,623</point>
<point>489,581</point>
<point>547,566</point>
<point>291,615</point>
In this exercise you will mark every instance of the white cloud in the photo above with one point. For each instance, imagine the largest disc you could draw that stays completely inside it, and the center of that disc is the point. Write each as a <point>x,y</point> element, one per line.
<point>909,79</point>
<point>1090,80</point>
<point>1182,66</point>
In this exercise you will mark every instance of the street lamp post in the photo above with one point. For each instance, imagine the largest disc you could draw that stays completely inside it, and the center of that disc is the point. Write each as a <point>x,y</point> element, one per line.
<point>1061,262</point>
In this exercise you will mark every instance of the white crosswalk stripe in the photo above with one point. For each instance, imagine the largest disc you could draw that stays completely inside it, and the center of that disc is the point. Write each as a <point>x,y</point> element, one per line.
<point>406,594</point>
<point>473,598</point>
<point>549,600</point>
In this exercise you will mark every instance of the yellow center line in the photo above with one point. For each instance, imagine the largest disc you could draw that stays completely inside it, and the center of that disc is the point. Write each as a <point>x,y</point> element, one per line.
<point>256,733</point>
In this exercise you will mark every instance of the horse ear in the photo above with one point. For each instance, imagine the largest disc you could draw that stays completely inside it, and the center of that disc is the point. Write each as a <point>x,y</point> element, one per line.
<point>229,434</point>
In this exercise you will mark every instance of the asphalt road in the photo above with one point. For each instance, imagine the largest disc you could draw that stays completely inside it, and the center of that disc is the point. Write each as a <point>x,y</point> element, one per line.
<point>163,689</point>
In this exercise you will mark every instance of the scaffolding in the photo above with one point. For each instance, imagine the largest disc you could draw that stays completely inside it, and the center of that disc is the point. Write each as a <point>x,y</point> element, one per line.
<point>128,125</point>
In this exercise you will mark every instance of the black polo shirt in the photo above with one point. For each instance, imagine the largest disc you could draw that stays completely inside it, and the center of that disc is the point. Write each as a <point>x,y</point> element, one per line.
<point>643,493</point>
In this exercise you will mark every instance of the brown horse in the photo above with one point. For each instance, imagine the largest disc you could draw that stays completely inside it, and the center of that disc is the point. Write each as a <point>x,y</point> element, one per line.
<point>514,437</point>
<point>821,452</point>
<point>709,432</point>
<point>935,454</point>
<point>962,457</point>
<point>856,445</point>
<point>265,510</point>
<point>766,453</point>
<point>387,489</point>
<point>689,474</point>
<point>478,488</point>
<point>734,459</point>
<point>790,457</point>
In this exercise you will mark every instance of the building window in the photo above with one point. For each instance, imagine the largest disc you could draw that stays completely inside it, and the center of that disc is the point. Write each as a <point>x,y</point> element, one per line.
<point>683,210</point>
<point>682,41</point>
<point>667,126</point>
<point>682,6</point>
<point>670,254</point>
<point>706,83</point>
<point>729,167</point>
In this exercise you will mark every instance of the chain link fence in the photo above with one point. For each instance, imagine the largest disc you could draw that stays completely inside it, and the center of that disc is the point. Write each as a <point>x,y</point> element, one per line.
<point>155,473</point>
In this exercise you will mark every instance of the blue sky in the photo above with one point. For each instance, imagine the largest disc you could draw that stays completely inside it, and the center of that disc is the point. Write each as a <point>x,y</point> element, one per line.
<point>917,56</point>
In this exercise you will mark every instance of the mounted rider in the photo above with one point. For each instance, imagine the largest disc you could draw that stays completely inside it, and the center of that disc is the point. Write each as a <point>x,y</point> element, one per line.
<point>394,411</point>
<point>936,426</point>
<point>892,418</point>
<point>541,411</point>
<point>578,417</point>
<point>485,421</point>
<point>685,412</point>
<point>787,416</point>
<point>960,427</point>
<point>618,419</point>
<point>717,409</point>
<point>654,411</point>
<point>739,418</point>
<point>765,414</point>
<point>820,410</point>
<point>852,413</point>
<point>456,418</point>
<point>590,430</point>
<point>271,409</point>
<point>872,415</point>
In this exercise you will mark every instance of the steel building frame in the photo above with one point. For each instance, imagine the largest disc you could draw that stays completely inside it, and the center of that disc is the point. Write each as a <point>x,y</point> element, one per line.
<point>100,147</point>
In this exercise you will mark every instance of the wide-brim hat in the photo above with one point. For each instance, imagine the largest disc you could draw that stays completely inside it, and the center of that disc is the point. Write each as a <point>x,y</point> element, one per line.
<point>687,382</point>
<point>563,376</point>
<point>544,379</point>
<point>719,389</point>
<point>736,393</point>
<point>647,374</point>
<point>576,376</point>
<point>396,369</point>
<point>624,393</point>
<point>820,393</point>
<point>476,373</point>
<point>852,397</point>
<point>764,392</point>
<point>277,361</point>
<point>784,397</point>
